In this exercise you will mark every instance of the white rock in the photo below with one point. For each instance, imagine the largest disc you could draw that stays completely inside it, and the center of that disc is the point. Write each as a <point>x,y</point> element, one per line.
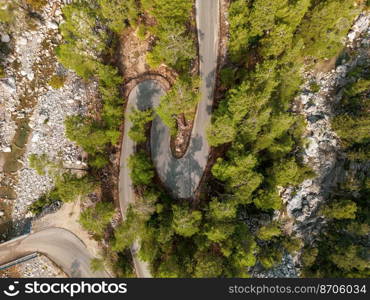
<point>352,36</point>
<point>29,215</point>
<point>362,23</point>
<point>341,70</point>
<point>22,41</point>
<point>305,98</point>
<point>5,38</point>
<point>58,13</point>
<point>35,138</point>
<point>42,119</point>
<point>30,76</point>
<point>295,203</point>
<point>52,25</point>
<point>311,150</point>
<point>7,149</point>
<point>8,85</point>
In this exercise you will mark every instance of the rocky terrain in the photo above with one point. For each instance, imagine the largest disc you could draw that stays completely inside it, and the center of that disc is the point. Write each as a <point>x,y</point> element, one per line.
<point>48,137</point>
<point>26,45</point>
<point>34,112</point>
<point>323,151</point>
<point>40,267</point>
<point>37,267</point>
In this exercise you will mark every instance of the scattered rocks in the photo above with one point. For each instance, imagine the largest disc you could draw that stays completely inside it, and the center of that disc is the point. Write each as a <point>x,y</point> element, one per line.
<point>46,110</point>
<point>284,270</point>
<point>48,137</point>
<point>53,25</point>
<point>323,152</point>
<point>5,38</point>
<point>40,267</point>
<point>360,26</point>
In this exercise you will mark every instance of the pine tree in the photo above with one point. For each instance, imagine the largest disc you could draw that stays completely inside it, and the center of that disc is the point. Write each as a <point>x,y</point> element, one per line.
<point>96,218</point>
<point>269,231</point>
<point>185,222</point>
<point>139,121</point>
<point>343,209</point>
<point>142,171</point>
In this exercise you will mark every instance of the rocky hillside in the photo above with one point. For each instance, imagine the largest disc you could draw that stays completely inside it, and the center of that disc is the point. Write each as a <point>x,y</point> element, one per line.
<point>323,151</point>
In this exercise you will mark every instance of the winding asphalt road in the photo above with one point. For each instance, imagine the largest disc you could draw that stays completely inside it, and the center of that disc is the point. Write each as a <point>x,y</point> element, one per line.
<point>60,245</point>
<point>180,176</point>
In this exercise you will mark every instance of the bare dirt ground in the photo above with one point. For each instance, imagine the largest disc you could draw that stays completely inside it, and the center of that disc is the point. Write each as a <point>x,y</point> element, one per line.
<point>131,58</point>
<point>132,55</point>
<point>67,217</point>
<point>10,273</point>
<point>325,65</point>
<point>180,142</point>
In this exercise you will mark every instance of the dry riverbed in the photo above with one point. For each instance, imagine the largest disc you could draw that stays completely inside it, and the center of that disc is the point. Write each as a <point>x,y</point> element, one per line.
<point>32,115</point>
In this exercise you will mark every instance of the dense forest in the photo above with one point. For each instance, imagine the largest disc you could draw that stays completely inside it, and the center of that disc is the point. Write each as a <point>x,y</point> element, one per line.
<point>269,48</point>
<point>255,133</point>
<point>270,44</point>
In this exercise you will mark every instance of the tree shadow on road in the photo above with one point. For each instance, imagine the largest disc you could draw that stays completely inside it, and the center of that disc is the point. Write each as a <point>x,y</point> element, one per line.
<point>148,94</point>
<point>75,269</point>
<point>181,176</point>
